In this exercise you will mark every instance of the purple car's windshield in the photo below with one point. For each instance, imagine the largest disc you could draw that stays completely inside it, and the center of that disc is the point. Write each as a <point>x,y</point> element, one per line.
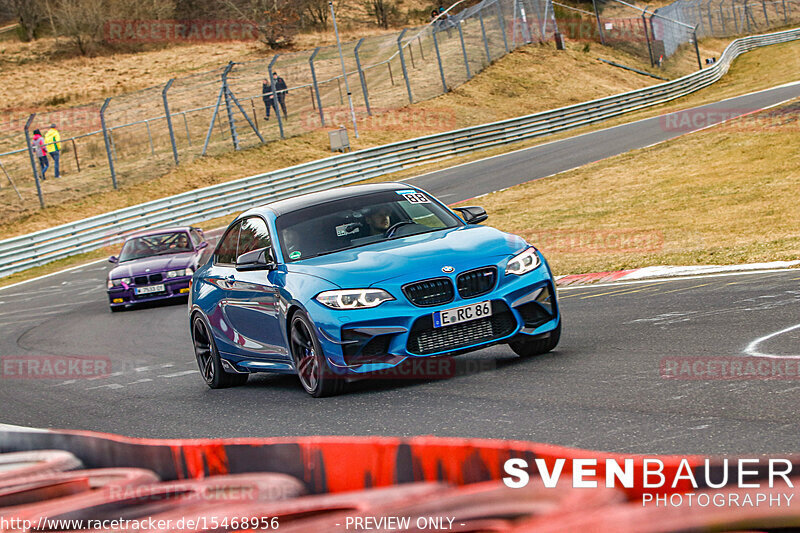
<point>159,244</point>
<point>351,222</point>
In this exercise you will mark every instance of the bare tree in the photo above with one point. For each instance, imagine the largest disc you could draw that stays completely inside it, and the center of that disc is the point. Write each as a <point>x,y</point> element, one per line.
<point>383,11</point>
<point>82,21</point>
<point>30,14</point>
<point>277,20</point>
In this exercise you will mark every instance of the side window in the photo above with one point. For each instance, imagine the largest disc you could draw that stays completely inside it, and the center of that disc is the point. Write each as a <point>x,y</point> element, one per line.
<point>196,238</point>
<point>226,251</point>
<point>254,236</point>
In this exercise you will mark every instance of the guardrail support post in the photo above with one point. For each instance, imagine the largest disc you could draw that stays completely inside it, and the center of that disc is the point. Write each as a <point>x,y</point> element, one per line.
<point>169,120</point>
<point>362,77</point>
<point>403,63</point>
<point>226,95</point>
<point>316,86</point>
<point>502,22</point>
<point>275,103</point>
<point>464,50</point>
<point>33,159</point>
<point>483,33</point>
<point>439,59</point>
<point>107,141</point>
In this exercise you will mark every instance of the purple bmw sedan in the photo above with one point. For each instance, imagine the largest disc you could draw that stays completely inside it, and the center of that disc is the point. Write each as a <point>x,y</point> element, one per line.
<point>155,265</point>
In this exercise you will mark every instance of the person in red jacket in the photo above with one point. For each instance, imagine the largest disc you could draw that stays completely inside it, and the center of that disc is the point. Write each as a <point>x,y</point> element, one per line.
<point>40,151</point>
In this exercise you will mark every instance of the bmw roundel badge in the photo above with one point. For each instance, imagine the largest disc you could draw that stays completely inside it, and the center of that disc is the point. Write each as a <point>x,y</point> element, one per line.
<point>447,269</point>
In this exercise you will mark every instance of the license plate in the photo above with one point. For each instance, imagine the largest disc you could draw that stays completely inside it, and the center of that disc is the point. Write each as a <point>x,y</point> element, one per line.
<point>465,313</point>
<point>151,289</point>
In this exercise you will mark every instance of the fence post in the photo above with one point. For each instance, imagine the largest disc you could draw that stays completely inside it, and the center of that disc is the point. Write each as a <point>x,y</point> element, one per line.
<point>722,16</point>
<point>785,16</point>
<point>403,63</point>
<point>710,19</point>
<point>275,95</point>
<point>213,120</point>
<point>186,124</point>
<point>502,21</point>
<point>33,159</point>
<point>439,59</point>
<point>75,151</point>
<point>483,33</point>
<point>316,86</point>
<point>764,7</point>
<point>647,36</point>
<point>735,19</point>
<point>697,49</point>
<point>464,50</point>
<point>228,108</point>
<point>150,137</point>
<point>169,119</point>
<point>108,141</point>
<point>362,77</point>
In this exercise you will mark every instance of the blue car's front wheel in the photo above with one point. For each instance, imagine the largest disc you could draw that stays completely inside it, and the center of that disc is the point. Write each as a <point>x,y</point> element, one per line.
<point>309,360</point>
<point>527,348</point>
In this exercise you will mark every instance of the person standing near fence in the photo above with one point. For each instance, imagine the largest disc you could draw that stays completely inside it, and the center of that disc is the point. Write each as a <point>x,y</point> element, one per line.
<point>40,151</point>
<point>52,141</point>
<point>280,88</point>
<point>266,96</point>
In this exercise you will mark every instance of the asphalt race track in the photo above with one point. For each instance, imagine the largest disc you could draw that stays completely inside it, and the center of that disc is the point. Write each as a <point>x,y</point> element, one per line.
<point>602,388</point>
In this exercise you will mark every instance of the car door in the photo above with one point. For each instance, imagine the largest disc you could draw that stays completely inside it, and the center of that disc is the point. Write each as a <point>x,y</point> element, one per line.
<point>252,303</point>
<point>216,288</point>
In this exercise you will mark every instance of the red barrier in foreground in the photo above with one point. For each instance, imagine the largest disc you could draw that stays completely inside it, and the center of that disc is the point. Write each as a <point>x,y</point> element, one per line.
<point>379,484</point>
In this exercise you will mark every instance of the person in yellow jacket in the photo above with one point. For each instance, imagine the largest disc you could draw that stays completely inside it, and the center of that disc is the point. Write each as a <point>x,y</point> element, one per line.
<point>52,141</point>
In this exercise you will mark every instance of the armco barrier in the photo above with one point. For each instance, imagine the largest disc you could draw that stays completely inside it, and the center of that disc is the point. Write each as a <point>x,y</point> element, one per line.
<point>424,479</point>
<point>41,247</point>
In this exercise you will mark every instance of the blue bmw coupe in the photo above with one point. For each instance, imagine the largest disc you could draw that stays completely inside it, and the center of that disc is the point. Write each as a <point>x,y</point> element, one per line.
<point>349,282</point>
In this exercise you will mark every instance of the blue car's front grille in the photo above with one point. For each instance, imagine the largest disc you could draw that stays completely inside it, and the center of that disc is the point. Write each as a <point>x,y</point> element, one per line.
<point>430,292</point>
<point>425,339</point>
<point>476,282</point>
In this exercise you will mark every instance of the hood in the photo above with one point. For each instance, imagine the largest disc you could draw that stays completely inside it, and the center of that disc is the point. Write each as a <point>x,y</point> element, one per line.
<point>159,263</point>
<point>413,257</point>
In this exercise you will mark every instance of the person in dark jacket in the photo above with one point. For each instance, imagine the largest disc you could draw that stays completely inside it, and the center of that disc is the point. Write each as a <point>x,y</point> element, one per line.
<point>280,88</point>
<point>266,96</point>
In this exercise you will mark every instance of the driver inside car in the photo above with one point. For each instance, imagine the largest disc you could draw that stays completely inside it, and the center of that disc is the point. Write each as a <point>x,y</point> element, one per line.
<point>378,220</point>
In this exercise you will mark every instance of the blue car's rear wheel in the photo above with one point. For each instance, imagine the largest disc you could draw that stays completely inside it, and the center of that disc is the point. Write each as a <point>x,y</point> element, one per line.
<point>309,360</point>
<point>208,360</point>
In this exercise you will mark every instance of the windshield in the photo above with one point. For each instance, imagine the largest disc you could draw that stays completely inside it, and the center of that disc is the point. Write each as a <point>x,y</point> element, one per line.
<point>352,222</point>
<point>150,245</point>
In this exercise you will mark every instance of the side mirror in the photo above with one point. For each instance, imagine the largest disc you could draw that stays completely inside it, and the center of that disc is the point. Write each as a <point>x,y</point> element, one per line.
<point>473,214</point>
<point>202,245</point>
<point>113,259</point>
<point>256,260</point>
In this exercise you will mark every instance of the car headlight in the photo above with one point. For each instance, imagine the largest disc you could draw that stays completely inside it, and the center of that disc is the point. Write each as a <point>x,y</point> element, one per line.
<point>353,298</point>
<point>523,262</point>
<point>118,282</point>
<point>179,273</point>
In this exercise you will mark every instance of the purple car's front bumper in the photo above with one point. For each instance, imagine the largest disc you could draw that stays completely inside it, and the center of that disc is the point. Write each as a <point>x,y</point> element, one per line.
<point>173,288</point>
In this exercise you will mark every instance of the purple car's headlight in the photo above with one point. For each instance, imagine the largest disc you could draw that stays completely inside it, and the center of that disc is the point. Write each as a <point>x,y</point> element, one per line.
<point>118,282</point>
<point>179,273</point>
<point>353,298</point>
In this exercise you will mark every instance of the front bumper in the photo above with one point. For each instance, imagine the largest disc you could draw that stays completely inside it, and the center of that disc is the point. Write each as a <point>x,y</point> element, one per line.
<point>362,341</point>
<point>173,288</point>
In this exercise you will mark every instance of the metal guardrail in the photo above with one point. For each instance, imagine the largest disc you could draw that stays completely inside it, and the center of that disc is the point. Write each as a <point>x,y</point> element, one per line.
<point>41,247</point>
